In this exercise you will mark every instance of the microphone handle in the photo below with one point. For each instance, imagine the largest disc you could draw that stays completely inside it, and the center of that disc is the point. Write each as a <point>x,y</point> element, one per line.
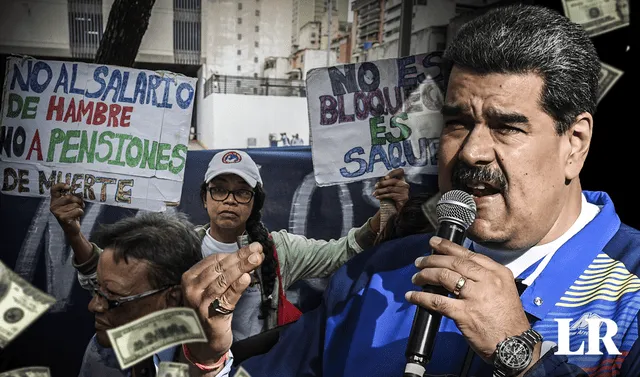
<point>425,322</point>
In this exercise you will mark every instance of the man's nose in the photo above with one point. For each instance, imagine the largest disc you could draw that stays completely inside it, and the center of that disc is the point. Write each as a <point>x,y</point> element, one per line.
<point>478,147</point>
<point>97,304</point>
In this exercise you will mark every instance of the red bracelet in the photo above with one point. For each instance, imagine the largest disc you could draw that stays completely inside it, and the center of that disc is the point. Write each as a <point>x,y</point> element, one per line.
<point>202,367</point>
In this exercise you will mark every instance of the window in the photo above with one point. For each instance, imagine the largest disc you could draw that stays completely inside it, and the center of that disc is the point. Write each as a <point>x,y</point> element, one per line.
<point>239,37</point>
<point>255,75</point>
<point>238,83</point>
<point>186,31</point>
<point>257,28</point>
<point>85,27</point>
<point>313,35</point>
<point>239,69</point>
<point>239,20</point>
<point>255,59</point>
<point>239,52</point>
<point>257,12</point>
<point>239,6</point>
<point>256,44</point>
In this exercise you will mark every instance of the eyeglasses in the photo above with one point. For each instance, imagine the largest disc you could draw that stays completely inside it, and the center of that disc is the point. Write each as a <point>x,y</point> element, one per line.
<point>122,300</point>
<point>241,196</point>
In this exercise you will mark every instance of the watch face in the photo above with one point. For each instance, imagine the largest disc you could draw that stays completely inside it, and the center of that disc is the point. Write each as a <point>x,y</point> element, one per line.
<point>514,354</point>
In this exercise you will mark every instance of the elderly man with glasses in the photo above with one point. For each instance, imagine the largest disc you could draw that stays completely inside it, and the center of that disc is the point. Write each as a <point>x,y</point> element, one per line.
<point>138,273</point>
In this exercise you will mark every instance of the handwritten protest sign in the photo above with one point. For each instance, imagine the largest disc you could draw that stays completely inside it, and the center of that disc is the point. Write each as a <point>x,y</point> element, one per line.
<point>116,135</point>
<point>369,118</point>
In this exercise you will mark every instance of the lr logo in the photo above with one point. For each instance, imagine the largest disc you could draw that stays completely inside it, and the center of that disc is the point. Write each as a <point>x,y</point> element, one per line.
<point>589,324</point>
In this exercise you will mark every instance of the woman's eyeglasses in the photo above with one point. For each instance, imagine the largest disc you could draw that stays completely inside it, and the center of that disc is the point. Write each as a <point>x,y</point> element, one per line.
<point>241,196</point>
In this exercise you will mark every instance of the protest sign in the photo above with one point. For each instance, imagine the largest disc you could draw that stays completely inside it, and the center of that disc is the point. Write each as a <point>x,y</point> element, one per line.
<point>116,135</point>
<point>373,117</point>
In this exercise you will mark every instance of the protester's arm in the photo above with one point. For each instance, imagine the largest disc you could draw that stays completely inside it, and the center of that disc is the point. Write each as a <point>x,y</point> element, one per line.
<point>302,258</point>
<point>68,209</point>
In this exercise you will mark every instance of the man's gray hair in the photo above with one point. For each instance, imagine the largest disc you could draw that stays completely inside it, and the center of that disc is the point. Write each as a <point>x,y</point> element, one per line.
<point>523,39</point>
<point>168,242</point>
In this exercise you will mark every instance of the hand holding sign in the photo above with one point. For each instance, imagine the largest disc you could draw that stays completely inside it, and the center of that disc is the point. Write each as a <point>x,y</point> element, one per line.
<point>68,209</point>
<point>393,187</point>
<point>392,191</point>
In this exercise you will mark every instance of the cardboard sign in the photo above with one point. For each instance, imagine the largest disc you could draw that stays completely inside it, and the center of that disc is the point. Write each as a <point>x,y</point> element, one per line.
<point>116,135</point>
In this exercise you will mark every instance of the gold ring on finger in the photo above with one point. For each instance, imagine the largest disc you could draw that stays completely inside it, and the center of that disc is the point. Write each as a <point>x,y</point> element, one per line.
<point>459,285</point>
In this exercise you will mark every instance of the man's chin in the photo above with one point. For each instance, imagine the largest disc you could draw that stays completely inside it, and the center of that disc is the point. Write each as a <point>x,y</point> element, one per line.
<point>481,232</point>
<point>103,339</point>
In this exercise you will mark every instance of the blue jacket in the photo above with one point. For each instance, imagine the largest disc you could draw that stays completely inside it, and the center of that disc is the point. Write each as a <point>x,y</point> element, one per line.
<point>362,326</point>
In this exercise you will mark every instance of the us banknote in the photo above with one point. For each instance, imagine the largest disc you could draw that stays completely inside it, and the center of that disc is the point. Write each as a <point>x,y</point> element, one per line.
<point>608,77</point>
<point>598,16</point>
<point>20,304</point>
<point>153,333</point>
<point>169,369</point>
<point>27,372</point>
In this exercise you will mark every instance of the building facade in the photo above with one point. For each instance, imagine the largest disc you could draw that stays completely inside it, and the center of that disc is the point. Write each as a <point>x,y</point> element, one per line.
<point>242,34</point>
<point>305,11</point>
<point>72,29</point>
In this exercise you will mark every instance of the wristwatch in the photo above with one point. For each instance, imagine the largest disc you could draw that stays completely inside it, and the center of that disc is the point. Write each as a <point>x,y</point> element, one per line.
<point>514,354</point>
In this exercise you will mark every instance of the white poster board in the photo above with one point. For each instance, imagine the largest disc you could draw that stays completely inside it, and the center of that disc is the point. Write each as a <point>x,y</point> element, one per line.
<point>117,135</point>
<point>372,117</point>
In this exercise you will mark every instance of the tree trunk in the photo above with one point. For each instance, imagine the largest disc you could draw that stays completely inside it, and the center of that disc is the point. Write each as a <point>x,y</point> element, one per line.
<point>128,21</point>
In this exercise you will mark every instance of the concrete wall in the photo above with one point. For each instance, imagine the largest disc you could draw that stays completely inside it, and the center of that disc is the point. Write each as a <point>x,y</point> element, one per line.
<point>228,120</point>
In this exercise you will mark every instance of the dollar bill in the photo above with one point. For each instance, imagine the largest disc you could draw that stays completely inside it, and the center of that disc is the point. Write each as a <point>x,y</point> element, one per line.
<point>27,372</point>
<point>598,16</point>
<point>153,333</point>
<point>429,209</point>
<point>608,77</point>
<point>20,304</point>
<point>169,369</point>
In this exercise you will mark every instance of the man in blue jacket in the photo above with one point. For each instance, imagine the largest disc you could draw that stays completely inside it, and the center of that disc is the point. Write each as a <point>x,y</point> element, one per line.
<point>520,98</point>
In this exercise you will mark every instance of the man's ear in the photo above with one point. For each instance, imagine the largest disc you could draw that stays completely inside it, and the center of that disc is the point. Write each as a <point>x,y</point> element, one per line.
<point>579,135</point>
<point>173,297</point>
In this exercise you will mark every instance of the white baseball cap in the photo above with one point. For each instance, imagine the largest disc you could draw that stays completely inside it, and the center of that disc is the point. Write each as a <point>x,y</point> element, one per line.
<point>233,162</point>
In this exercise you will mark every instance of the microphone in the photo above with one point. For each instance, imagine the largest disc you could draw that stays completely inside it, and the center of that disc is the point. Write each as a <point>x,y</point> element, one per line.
<point>455,211</point>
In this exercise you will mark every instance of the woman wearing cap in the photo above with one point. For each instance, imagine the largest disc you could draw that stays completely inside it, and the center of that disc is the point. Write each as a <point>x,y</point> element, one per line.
<point>233,196</point>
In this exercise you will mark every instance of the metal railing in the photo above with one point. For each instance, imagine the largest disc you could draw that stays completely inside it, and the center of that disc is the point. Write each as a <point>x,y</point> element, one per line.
<point>258,86</point>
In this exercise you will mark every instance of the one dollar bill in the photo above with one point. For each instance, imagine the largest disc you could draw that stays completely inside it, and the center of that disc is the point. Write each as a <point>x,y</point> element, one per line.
<point>154,333</point>
<point>169,369</point>
<point>20,304</point>
<point>598,16</point>
<point>608,77</point>
<point>27,372</point>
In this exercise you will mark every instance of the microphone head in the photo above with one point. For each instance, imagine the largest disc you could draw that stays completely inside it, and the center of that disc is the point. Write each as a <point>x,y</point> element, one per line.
<point>456,206</point>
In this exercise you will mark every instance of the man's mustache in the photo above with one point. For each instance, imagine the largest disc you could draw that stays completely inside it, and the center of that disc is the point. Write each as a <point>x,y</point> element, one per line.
<point>464,174</point>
